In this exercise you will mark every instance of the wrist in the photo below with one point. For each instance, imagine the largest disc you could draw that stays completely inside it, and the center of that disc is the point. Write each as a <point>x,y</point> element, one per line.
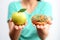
<point>42,34</point>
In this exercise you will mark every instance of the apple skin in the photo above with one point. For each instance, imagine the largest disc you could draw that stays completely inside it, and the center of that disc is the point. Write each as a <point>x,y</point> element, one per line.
<point>19,18</point>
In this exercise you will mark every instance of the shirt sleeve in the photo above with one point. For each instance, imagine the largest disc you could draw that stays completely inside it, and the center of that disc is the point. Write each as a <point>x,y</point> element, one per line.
<point>47,10</point>
<point>11,9</point>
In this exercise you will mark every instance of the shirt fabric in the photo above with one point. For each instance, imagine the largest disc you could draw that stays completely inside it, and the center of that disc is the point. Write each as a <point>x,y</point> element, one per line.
<point>29,32</point>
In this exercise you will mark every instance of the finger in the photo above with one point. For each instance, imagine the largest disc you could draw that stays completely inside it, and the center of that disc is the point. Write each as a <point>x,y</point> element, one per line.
<point>34,25</point>
<point>40,27</point>
<point>10,20</point>
<point>46,26</point>
<point>25,23</point>
<point>16,27</point>
<point>21,27</point>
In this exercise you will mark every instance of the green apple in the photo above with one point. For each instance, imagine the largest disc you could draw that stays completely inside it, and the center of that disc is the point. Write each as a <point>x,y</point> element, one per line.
<point>19,18</point>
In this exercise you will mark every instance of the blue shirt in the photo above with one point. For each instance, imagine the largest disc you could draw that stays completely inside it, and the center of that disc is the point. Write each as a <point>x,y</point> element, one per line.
<point>30,32</point>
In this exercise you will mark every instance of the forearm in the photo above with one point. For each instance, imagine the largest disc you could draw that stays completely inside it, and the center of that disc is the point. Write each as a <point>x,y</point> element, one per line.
<point>43,34</point>
<point>14,34</point>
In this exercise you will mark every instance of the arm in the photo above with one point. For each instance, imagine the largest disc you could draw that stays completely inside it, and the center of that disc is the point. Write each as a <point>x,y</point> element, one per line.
<point>43,30</point>
<point>14,31</point>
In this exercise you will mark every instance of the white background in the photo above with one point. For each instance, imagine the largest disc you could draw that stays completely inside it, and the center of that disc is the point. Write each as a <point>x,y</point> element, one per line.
<point>53,32</point>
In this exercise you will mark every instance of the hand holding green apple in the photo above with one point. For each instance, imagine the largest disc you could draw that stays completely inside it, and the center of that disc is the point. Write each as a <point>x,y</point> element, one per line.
<point>19,18</point>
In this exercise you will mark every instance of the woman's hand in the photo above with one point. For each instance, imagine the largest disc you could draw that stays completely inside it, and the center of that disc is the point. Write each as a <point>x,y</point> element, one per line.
<point>42,26</point>
<point>42,31</point>
<point>14,30</point>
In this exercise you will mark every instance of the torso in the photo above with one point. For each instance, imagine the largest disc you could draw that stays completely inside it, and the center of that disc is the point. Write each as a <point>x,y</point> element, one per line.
<point>30,32</point>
